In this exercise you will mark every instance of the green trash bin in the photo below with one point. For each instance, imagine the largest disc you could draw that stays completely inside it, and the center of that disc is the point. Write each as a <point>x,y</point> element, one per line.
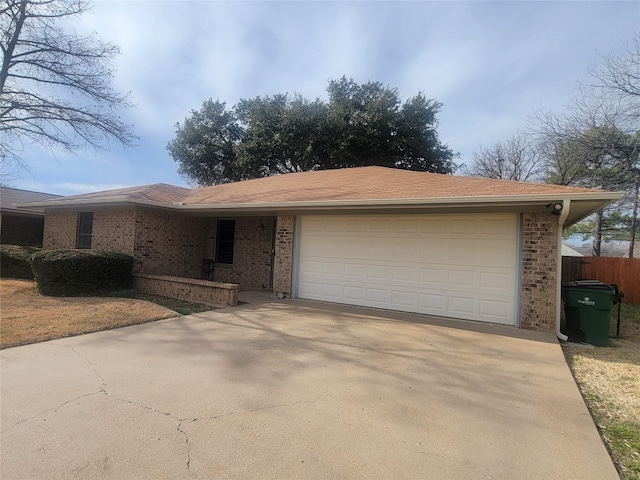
<point>587,306</point>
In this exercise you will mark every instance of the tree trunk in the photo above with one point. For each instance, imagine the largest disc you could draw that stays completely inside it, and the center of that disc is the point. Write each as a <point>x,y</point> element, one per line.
<point>634,216</point>
<point>597,239</point>
<point>11,45</point>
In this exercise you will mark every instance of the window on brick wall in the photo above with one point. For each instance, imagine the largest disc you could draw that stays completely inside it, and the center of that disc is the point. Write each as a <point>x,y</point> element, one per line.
<point>84,230</point>
<point>225,237</point>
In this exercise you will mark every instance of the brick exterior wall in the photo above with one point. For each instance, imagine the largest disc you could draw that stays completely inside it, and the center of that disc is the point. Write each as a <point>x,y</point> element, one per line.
<point>175,245</point>
<point>25,231</point>
<point>539,272</point>
<point>253,243</point>
<point>169,244</point>
<point>113,231</point>
<point>60,230</point>
<point>193,290</point>
<point>283,267</point>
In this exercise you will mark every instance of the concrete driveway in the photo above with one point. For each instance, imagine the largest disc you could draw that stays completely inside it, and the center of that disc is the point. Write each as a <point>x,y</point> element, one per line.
<point>296,390</point>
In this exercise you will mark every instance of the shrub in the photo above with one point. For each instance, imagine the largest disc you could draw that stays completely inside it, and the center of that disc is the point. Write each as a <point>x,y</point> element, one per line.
<point>15,261</point>
<point>76,272</point>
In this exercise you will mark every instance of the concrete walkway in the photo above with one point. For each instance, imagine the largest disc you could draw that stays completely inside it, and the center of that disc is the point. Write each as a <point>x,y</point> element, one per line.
<point>296,390</point>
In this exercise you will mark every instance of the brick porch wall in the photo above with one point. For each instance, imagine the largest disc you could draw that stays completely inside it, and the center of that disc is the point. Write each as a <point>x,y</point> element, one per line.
<point>539,272</point>
<point>202,291</point>
<point>283,267</point>
<point>251,267</point>
<point>169,244</point>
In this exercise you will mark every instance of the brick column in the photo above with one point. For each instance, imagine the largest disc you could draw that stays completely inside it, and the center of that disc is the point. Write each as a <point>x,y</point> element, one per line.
<point>283,267</point>
<point>539,272</point>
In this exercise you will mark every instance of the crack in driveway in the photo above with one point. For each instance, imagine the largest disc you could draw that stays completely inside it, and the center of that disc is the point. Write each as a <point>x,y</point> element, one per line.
<point>181,421</point>
<point>94,367</point>
<point>53,409</point>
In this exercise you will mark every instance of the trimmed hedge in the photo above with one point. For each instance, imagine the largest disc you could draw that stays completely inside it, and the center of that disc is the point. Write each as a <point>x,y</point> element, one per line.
<point>62,273</point>
<point>15,261</point>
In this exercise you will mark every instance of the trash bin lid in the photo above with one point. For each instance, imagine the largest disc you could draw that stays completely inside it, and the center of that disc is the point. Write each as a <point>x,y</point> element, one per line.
<point>588,285</point>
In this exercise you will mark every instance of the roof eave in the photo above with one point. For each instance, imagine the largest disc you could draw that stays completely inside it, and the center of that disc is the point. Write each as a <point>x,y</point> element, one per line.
<point>601,198</point>
<point>604,197</point>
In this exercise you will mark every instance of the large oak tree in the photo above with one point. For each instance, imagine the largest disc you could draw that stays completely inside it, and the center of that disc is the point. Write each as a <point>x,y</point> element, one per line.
<point>359,125</point>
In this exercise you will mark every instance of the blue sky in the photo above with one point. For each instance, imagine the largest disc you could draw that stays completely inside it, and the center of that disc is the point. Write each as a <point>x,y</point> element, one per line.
<point>491,65</point>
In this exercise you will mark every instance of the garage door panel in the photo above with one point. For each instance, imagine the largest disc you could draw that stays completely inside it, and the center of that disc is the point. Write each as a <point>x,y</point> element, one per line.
<point>403,299</point>
<point>381,225</point>
<point>494,308</point>
<point>311,267</point>
<point>405,274</point>
<point>405,226</point>
<point>377,248</point>
<point>356,225</point>
<point>461,305</point>
<point>432,303</point>
<point>331,292</point>
<point>334,224</point>
<point>496,253</point>
<point>497,226</point>
<point>353,294</point>
<point>404,249</point>
<point>433,225</point>
<point>463,278</point>
<point>333,268</point>
<point>378,295</point>
<point>352,248</point>
<point>357,271</point>
<point>457,266</point>
<point>379,273</point>
<point>432,276</point>
<point>496,280</point>
<point>461,252</point>
<point>314,225</point>
<point>431,250</point>
<point>310,290</point>
<point>463,226</point>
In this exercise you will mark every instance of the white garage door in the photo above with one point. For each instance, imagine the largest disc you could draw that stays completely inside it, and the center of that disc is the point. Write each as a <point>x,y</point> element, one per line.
<point>461,266</point>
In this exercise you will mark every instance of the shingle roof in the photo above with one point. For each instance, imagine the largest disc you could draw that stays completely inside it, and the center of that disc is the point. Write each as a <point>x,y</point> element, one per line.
<point>158,192</point>
<point>364,187</point>
<point>9,197</point>
<point>364,183</point>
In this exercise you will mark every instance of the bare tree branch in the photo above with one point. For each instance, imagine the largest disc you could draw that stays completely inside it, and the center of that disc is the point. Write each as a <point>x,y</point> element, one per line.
<point>515,159</point>
<point>42,67</point>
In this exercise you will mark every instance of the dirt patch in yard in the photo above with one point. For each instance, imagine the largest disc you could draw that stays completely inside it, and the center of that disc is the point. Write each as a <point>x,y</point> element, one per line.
<point>26,317</point>
<point>609,379</point>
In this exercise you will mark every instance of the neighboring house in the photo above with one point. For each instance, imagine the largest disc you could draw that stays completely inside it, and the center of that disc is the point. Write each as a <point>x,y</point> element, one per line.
<point>613,248</point>
<point>567,251</point>
<point>20,226</point>
<point>467,248</point>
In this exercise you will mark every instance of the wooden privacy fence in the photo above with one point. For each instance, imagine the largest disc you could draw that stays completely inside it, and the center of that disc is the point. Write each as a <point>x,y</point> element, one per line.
<point>625,272</point>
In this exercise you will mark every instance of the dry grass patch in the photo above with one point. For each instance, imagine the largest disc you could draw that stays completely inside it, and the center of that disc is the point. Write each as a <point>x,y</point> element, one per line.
<point>26,317</point>
<point>609,379</point>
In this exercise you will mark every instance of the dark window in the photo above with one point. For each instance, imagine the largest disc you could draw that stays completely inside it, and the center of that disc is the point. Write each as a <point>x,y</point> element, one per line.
<point>85,229</point>
<point>225,236</point>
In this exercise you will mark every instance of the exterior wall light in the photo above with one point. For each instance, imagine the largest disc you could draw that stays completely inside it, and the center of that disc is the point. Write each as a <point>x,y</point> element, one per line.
<point>556,208</point>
